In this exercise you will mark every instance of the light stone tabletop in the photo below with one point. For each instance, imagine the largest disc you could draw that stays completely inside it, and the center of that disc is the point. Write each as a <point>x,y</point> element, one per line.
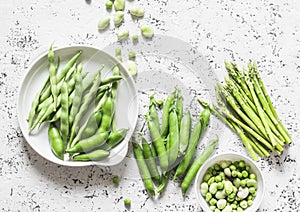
<point>267,31</point>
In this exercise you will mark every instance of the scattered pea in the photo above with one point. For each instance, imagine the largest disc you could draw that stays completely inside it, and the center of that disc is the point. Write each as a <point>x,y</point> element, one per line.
<point>119,5</point>
<point>103,23</point>
<point>127,202</point>
<point>252,176</point>
<point>243,183</point>
<point>135,38</point>
<point>248,168</point>
<point>239,175</point>
<point>118,51</point>
<point>118,17</point>
<point>137,11</point>
<point>232,167</point>
<point>116,180</point>
<point>123,34</point>
<point>242,164</point>
<point>146,31</point>
<point>234,173</point>
<point>131,55</point>
<point>131,67</point>
<point>108,5</point>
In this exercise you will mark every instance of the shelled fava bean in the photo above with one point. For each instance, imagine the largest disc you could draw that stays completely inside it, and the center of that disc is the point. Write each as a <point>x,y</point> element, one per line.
<point>229,186</point>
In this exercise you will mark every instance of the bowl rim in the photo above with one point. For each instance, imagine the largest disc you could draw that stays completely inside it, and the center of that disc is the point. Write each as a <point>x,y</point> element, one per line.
<point>38,56</point>
<point>218,157</point>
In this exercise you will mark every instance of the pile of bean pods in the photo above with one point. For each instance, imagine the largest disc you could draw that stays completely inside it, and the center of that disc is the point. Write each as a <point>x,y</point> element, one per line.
<point>64,101</point>
<point>173,144</point>
<point>229,186</point>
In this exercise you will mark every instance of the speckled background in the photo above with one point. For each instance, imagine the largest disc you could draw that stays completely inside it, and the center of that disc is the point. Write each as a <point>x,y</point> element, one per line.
<point>267,31</point>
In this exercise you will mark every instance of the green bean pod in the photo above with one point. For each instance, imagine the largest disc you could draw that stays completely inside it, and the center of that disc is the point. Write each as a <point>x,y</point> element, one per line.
<point>184,134</point>
<point>153,112</point>
<point>52,74</point>
<point>179,105</point>
<point>173,137</point>
<point>64,118</point>
<point>145,174</point>
<point>111,79</point>
<point>78,94</point>
<point>150,160</point>
<point>61,75</point>
<point>165,115</point>
<point>89,128</point>
<point>198,162</point>
<point>194,139</point>
<point>158,144</point>
<point>88,144</point>
<point>108,110</point>
<point>95,155</point>
<point>164,182</point>
<point>101,92</point>
<point>56,142</point>
<point>114,91</point>
<point>86,102</point>
<point>114,138</point>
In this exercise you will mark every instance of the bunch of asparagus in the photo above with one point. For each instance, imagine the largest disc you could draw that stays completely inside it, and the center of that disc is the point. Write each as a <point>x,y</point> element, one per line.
<point>245,106</point>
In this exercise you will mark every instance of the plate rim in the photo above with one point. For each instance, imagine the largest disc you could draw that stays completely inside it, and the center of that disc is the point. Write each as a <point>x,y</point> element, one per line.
<point>77,163</point>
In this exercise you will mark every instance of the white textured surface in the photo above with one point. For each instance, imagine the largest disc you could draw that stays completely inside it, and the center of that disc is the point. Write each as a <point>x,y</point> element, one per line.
<point>267,31</point>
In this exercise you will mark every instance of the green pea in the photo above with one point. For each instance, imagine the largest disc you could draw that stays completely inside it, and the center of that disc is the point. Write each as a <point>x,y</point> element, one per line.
<point>243,183</point>
<point>250,202</point>
<point>252,176</point>
<point>118,17</point>
<point>131,67</point>
<point>248,168</point>
<point>212,207</point>
<point>245,174</point>
<point>206,177</point>
<point>108,5</point>
<point>252,183</point>
<point>103,23</point>
<point>209,170</point>
<point>211,180</point>
<point>217,167</point>
<point>215,172</point>
<point>204,188</point>
<point>116,180</point>
<point>221,203</point>
<point>135,38</point>
<point>222,175</point>
<point>232,167</point>
<point>213,201</point>
<point>242,164</point>
<point>119,5</point>
<point>220,185</point>
<point>250,197</point>
<point>127,202</point>
<point>137,11</point>
<point>131,55</point>
<point>231,196</point>
<point>244,204</point>
<point>234,206</point>
<point>230,200</point>
<point>239,175</point>
<point>123,34</point>
<point>208,197</point>
<point>146,31</point>
<point>227,172</point>
<point>118,51</point>
<point>224,164</point>
<point>234,173</point>
<point>252,190</point>
<point>213,188</point>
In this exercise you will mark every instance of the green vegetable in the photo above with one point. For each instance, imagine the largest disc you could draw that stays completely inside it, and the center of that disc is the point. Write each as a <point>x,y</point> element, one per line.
<point>137,11</point>
<point>184,136</point>
<point>52,74</point>
<point>108,5</point>
<point>145,174</point>
<point>103,23</point>
<point>204,155</point>
<point>204,188</point>
<point>127,202</point>
<point>194,139</point>
<point>123,34</point>
<point>153,112</point>
<point>64,119</point>
<point>146,31</point>
<point>118,18</point>
<point>115,138</point>
<point>131,67</point>
<point>108,110</point>
<point>131,55</point>
<point>173,136</point>
<point>165,115</point>
<point>158,143</point>
<point>95,155</point>
<point>56,142</point>
<point>135,38</point>
<point>90,143</point>
<point>119,5</point>
<point>116,180</point>
<point>150,161</point>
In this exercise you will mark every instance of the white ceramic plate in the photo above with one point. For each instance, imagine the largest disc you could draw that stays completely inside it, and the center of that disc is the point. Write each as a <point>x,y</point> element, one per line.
<point>91,58</point>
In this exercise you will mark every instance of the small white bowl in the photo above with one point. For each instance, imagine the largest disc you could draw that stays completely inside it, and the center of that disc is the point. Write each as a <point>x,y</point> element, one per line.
<point>231,157</point>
